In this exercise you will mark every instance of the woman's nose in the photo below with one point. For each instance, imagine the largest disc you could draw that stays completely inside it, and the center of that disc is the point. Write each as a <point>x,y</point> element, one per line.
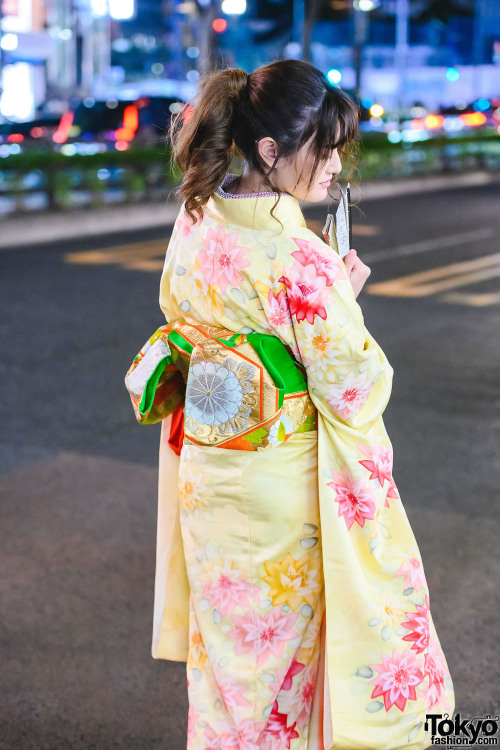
<point>335,163</point>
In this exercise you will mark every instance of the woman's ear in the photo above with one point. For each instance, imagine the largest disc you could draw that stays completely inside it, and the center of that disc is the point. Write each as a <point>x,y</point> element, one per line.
<point>268,150</point>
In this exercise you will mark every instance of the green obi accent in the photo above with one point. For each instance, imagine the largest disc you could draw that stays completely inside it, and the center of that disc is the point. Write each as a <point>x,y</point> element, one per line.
<point>280,364</point>
<point>157,377</point>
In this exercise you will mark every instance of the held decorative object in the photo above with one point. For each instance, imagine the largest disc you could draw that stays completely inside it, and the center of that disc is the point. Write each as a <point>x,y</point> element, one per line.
<point>338,228</point>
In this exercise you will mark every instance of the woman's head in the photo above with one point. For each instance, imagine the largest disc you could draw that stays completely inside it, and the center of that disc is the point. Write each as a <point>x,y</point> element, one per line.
<point>289,124</point>
<point>295,174</point>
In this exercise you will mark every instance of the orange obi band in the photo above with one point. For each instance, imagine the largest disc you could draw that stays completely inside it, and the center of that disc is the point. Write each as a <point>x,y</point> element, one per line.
<point>243,391</point>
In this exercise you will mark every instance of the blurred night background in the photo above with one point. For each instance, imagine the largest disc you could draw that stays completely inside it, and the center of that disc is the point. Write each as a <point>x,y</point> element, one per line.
<point>87,90</point>
<point>90,78</point>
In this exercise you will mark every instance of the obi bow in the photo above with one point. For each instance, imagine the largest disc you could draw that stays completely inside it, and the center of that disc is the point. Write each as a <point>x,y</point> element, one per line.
<point>243,391</point>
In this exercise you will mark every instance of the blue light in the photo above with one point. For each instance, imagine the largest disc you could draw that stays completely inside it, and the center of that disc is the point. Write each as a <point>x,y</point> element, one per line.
<point>481,105</point>
<point>452,74</point>
<point>394,136</point>
<point>411,136</point>
<point>453,123</point>
<point>334,75</point>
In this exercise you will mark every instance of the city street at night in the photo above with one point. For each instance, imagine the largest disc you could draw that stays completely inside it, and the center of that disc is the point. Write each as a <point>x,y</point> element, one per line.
<point>79,475</point>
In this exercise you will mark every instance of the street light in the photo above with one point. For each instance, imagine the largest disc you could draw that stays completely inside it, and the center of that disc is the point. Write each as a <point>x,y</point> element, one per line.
<point>234,7</point>
<point>361,8</point>
<point>9,42</point>
<point>366,5</point>
<point>121,10</point>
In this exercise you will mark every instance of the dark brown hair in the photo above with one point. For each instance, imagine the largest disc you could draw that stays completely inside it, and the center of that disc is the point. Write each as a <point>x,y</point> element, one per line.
<point>287,100</point>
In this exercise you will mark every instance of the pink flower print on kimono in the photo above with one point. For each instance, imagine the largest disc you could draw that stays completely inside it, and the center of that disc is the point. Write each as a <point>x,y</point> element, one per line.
<point>191,724</point>
<point>412,569</point>
<point>307,279</point>
<point>392,492</point>
<point>347,398</point>
<point>226,589</point>
<point>300,703</point>
<point>356,501</point>
<point>278,313</point>
<point>418,625</point>
<point>213,740</point>
<point>323,265</point>
<point>278,321</point>
<point>244,736</point>
<point>265,636</point>
<point>232,694</point>
<point>185,225</point>
<point>286,678</point>
<point>436,671</point>
<point>284,681</point>
<point>347,372</point>
<point>278,734</point>
<point>379,463</point>
<point>306,292</point>
<point>397,678</point>
<point>222,259</point>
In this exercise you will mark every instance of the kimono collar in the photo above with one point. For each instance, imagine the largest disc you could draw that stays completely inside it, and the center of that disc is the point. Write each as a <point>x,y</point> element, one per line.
<point>253,210</point>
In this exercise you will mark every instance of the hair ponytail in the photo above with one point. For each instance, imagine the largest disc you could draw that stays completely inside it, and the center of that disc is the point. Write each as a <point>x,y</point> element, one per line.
<point>202,144</point>
<point>289,101</point>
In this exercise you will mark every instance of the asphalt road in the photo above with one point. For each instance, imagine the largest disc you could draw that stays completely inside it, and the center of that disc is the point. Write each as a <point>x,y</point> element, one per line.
<point>78,474</point>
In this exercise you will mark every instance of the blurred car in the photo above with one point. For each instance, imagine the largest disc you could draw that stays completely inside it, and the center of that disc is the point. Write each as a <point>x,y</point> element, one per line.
<point>33,132</point>
<point>116,123</point>
<point>418,123</point>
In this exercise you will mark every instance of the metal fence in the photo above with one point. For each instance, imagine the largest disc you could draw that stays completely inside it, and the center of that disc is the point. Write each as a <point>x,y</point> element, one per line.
<point>53,182</point>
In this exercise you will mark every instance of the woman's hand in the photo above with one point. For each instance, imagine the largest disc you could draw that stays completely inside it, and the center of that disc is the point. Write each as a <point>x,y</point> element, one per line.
<point>357,271</point>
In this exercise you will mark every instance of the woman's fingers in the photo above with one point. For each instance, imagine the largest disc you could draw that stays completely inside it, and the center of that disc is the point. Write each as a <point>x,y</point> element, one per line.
<point>357,271</point>
<point>349,260</point>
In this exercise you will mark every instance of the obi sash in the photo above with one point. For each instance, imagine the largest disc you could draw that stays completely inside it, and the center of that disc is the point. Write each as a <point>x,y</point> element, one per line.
<point>229,390</point>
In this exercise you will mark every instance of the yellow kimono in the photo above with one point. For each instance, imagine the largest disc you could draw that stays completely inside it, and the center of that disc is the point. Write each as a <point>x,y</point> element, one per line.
<point>288,576</point>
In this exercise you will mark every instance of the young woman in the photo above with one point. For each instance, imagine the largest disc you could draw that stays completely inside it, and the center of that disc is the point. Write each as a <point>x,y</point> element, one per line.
<point>288,576</point>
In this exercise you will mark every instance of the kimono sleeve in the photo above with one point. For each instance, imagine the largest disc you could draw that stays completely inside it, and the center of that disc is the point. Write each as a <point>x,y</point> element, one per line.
<point>310,304</point>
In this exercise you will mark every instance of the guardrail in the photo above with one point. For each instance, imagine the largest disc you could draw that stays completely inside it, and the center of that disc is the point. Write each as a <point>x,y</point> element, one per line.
<point>47,181</point>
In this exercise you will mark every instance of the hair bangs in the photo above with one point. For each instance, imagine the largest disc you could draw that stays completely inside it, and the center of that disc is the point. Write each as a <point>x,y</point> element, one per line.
<point>335,124</point>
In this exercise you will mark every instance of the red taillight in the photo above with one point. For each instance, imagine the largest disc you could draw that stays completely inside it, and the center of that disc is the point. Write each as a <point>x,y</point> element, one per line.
<point>130,124</point>
<point>62,132</point>
<point>219,25</point>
